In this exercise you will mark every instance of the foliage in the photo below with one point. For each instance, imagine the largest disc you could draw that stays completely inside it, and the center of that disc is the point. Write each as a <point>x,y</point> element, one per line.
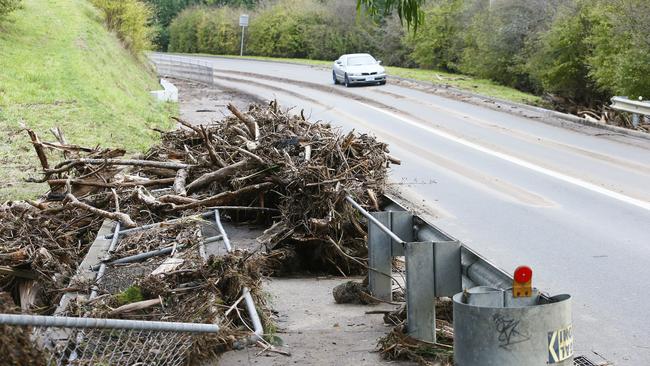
<point>183,32</point>
<point>620,63</point>
<point>438,42</point>
<point>218,31</point>
<point>130,295</point>
<point>408,10</point>
<point>301,29</point>
<point>129,19</point>
<point>166,10</point>
<point>582,50</point>
<point>497,37</point>
<point>7,6</point>
<point>560,62</point>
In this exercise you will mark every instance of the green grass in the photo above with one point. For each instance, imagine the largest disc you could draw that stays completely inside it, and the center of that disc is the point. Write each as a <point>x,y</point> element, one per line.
<point>479,86</point>
<point>60,67</point>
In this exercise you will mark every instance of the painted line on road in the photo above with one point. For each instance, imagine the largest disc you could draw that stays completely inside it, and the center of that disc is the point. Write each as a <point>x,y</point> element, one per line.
<point>523,163</point>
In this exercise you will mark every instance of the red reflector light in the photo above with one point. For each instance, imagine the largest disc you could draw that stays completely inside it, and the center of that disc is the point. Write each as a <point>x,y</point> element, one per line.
<point>523,274</point>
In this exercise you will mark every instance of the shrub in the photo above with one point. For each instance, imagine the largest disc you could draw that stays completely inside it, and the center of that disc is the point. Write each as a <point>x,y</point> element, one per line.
<point>218,32</point>
<point>183,32</point>
<point>129,19</point>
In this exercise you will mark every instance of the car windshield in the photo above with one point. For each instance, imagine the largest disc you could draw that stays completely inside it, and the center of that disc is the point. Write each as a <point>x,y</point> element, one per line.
<point>361,60</point>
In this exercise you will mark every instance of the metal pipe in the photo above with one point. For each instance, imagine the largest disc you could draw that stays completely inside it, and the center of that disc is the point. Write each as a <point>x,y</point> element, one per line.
<point>224,236</point>
<point>244,208</point>
<point>102,266</point>
<point>139,257</point>
<point>381,226</point>
<point>71,322</point>
<point>258,329</point>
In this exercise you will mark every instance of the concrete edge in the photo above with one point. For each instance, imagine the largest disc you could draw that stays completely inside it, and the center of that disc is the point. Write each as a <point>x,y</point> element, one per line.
<point>478,99</point>
<point>96,253</point>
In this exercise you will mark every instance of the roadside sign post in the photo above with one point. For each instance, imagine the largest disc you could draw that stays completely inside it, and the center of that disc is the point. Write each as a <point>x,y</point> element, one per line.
<point>243,23</point>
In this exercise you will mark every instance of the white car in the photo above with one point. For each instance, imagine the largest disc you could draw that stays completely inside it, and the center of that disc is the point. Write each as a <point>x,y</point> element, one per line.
<point>358,68</point>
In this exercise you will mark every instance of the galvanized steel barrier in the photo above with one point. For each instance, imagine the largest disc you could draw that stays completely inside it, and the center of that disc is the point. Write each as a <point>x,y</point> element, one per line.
<point>183,68</point>
<point>636,107</point>
<point>491,325</point>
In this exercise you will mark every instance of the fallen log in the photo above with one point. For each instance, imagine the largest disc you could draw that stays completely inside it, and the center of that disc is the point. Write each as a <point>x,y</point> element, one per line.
<point>123,218</point>
<point>216,176</point>
<point>226,197</point>
<point>82,182</point>
<point>179,182</point>
<point>67,164</point>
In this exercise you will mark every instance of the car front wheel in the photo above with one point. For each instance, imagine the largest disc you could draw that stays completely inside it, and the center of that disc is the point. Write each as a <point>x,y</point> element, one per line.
<point>336,81</point>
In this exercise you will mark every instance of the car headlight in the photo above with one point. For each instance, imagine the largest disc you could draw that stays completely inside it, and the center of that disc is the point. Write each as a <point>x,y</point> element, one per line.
<point>355,74</point>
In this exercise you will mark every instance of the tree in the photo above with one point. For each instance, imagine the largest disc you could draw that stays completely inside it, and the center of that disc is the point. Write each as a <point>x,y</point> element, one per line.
<point>438,42</point>
<point>620,62</point>
<point>497,38</point>
<point>408,10</point>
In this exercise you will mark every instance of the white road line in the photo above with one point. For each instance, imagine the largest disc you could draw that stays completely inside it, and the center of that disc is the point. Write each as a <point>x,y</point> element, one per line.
<point>523,163</point>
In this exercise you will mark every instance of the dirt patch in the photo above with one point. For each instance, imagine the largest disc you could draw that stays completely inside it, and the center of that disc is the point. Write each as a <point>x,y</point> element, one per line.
<point>202,104</point>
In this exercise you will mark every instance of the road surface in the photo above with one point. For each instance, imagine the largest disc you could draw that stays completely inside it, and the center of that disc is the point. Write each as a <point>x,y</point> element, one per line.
<point>572,203</point>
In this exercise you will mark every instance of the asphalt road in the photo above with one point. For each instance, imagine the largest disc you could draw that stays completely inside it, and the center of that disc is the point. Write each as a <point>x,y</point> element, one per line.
<point>573,203</point>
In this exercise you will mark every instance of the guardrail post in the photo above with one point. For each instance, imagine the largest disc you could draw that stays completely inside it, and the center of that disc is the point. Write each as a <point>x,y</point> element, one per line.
<point>433,269</point>
<point>382,249</point>
<point>380,259</point>
<point>420,291</point>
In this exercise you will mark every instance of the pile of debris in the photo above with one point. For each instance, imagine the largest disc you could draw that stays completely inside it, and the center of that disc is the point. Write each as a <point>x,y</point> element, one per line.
<point>257,162</point>
<point>398,345</point>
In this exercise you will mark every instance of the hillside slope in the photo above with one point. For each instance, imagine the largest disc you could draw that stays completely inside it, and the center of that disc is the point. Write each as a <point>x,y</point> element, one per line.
<point>60,67</point>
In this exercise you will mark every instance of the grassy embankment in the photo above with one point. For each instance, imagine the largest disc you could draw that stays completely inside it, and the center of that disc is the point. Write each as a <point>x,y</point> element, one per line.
<point>60,67</point>
<point>479,86</point>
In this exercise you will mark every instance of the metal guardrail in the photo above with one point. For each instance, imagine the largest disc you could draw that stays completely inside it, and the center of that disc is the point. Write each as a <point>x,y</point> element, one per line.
<point>183,67</point>
<point>632,106</point>
<point>476,269</point>
<point>436,264</point>
<point>636,107</point>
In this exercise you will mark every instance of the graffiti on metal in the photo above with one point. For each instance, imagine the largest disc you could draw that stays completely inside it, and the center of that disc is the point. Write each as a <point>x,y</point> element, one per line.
<point>508,331</point>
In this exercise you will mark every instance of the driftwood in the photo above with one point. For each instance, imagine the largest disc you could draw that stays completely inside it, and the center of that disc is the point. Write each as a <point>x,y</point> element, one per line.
<point>179,182</point>
<point>18,272</point>
<point>215,176</point>
<point>263,157</point>
<point>251,124</point>
<point>140,305</point>
<point>225,198</point>
<point>81,182</point>
<point>66,165</point>
<point>123,218</point>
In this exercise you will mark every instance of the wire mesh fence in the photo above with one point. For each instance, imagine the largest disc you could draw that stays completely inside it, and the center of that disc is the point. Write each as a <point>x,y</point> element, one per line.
<point>119,347</point>
<point>92,341</point>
